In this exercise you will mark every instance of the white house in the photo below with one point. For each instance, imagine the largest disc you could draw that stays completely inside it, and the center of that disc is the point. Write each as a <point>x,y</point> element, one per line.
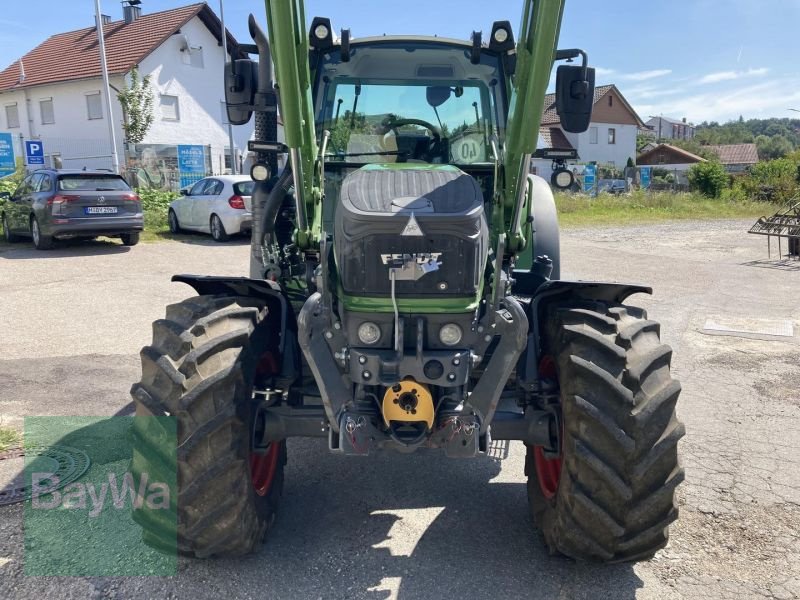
<point>610,139</point>
<point>54,93</point>
<point>666,128</point>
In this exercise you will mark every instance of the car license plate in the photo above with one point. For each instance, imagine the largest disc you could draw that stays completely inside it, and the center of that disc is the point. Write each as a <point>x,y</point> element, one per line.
<point>101,210</point>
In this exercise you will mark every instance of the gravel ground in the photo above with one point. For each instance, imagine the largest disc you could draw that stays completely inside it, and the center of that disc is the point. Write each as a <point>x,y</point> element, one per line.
<point>423,526</point>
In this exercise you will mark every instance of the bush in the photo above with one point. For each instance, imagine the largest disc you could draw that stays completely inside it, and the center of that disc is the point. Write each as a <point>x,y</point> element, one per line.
<point>156,200</point>
<point>772,181</point>
<point>708,178</point>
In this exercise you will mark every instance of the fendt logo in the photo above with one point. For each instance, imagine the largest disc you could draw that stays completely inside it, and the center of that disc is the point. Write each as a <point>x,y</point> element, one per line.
<point>420,258</point>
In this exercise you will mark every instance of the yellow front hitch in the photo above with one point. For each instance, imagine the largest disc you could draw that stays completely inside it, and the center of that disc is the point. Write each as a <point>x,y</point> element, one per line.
<point>408,402</point>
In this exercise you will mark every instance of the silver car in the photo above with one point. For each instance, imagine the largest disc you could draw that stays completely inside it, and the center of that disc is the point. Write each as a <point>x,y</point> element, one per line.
<point>217,205</point>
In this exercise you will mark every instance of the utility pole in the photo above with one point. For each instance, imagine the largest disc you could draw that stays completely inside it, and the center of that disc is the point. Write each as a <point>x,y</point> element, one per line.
<point>107,86</point>
<point>234,170</point>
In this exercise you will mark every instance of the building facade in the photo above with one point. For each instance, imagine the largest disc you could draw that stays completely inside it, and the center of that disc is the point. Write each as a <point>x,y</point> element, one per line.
<point>65,109</point>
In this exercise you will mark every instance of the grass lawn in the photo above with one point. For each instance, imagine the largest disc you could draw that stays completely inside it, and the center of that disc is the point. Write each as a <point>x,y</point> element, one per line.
<point>576,210</point>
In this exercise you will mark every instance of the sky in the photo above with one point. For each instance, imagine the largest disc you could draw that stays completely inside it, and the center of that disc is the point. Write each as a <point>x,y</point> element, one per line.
<point>699,59</point>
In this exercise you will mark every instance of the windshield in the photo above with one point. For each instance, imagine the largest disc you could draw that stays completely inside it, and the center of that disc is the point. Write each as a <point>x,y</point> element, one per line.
<point>410,102</point>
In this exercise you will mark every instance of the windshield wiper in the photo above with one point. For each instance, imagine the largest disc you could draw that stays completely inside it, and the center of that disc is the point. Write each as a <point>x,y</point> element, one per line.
<point>105,190</point>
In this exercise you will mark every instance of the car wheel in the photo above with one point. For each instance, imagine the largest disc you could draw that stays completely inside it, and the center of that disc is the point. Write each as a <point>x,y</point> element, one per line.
<point>130,239</point>
<point>40,240</point>
<point>218,230</point>
<point>172,218</point>
<point>10,237</point>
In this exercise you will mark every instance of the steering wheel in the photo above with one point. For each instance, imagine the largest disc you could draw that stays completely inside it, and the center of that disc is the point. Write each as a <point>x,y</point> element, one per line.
<point>434,148</point>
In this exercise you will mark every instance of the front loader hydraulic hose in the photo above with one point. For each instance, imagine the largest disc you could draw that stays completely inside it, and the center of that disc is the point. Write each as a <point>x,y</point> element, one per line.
<point>269,215</point>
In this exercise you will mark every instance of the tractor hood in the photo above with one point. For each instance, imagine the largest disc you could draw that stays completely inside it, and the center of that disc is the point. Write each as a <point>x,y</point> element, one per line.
<point>425,221</point>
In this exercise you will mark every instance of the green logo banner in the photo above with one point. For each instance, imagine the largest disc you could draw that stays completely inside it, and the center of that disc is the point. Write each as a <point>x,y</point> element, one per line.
<point>93,482</point>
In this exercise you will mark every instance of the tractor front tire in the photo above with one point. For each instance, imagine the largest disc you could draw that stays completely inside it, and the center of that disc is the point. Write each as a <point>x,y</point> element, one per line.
<point>610,494</point>
<point>200,369</point>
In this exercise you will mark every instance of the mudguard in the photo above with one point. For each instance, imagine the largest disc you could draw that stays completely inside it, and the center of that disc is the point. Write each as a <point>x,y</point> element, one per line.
<point>551,292</point>
<point>282,317</point>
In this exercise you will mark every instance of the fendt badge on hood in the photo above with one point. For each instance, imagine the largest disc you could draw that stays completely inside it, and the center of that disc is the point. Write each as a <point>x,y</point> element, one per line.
<point>412,228</point>
<point>411,267</point>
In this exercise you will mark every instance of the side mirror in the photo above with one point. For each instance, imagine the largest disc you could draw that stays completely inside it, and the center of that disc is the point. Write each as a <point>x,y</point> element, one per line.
<point>575,97</point>
<point>241,83</point>
<point>183,192</point>
<point>438,95</point>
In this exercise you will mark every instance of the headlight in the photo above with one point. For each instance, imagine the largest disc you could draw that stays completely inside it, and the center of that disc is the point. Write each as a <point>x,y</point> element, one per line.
<point>369,333</point>
<point>259,172</point>
<point>321,31</point>
<point>450,334</point>
<point>500,35</point>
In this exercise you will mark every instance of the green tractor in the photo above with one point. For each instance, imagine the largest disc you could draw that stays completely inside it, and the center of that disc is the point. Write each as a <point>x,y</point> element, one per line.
<point>405,294</point>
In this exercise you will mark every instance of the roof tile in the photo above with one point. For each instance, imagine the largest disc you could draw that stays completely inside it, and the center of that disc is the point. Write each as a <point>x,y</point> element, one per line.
<point>75,55</point>
<point>736,154</point>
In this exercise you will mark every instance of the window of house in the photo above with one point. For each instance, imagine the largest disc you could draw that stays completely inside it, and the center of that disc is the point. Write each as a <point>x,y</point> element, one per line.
<point>94,106</point>
<point>612,135</point>
<point>610,100</point>
<point>169,108</point>
<point>12,115</point>
<point>592,135</point>
<point>46,111</point>
<point>193,57</point>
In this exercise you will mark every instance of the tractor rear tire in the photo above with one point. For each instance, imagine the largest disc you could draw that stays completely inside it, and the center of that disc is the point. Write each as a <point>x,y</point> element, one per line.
<point>200,369</point>
<point>610,495</point>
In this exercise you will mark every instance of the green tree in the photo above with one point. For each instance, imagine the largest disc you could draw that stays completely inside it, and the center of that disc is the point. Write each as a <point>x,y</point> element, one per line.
<point>136,100</point>
<point>773,147</point>
<point>709,178</point>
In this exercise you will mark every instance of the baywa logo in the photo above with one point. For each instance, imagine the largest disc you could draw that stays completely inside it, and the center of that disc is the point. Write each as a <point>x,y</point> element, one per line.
<point>119,495</point>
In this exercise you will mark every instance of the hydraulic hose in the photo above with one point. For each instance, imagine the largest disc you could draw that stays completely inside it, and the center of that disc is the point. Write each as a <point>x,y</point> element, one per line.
<point>274,202</point>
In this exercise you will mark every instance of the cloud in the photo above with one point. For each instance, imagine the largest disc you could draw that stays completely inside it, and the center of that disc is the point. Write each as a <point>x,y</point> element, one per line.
<point>761,100</point>
<point>604,71</point>
<point>645,75</point>
<point>731,75</point>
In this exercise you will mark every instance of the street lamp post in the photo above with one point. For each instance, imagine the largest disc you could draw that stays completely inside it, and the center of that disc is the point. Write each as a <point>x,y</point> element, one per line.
<point>107,86</point>
<point>234,170</point>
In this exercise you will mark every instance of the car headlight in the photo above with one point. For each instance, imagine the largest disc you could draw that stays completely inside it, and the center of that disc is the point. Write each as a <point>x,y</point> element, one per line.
<point>450,334</point>
<point>369,333</point>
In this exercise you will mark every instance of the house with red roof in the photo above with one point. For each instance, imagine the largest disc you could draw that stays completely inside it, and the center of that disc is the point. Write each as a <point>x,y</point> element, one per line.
<point>54,92</point>
<point>610,139</point>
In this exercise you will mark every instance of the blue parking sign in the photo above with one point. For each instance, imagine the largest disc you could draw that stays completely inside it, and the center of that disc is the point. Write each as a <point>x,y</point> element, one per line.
<point>34,152</point>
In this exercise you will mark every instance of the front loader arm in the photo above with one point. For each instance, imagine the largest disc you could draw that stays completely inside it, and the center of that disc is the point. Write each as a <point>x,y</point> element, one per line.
<point>536,50</point>
<point>286,24</point>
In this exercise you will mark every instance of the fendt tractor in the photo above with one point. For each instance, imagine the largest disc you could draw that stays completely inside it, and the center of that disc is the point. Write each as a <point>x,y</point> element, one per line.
<point>404,294</point>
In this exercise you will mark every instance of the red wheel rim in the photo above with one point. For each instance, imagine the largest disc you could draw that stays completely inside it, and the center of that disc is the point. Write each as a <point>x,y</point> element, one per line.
<point>263,468</point>
<point>548,470</point>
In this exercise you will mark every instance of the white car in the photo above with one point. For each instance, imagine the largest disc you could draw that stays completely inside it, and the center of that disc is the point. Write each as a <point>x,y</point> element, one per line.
<point>218,205</point>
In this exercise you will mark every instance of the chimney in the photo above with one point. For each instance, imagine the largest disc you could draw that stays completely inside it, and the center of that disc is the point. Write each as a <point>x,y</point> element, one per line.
<point>104,19</point>
<point>131,13</point>
<point>684,119</point>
